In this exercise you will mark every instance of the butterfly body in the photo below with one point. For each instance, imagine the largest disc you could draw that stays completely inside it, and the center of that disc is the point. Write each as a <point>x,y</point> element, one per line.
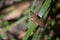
<point>36,19</point>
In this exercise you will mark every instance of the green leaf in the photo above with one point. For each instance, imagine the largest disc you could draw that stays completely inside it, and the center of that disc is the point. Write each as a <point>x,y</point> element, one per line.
<point>44,8</point>
<point>36,34</point>
<point>32,26</point>
<point>32,6</point>
<point>53,23</point>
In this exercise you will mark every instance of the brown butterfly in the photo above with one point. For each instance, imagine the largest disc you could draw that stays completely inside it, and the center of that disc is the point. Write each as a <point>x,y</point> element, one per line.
<point>36,19</point>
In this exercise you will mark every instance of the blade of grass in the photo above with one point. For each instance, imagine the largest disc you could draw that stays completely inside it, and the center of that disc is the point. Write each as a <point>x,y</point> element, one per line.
<point>32,6</point>
<point>31,9</point>
<point>29,32</point>
<point>14,24</point>
<point>46,14</point>
<point>36,34</point>
<point>30,23</point>
<point>27,12</point>
<point>44,8</point>
<point>38,7</point>
<point>47,37</point>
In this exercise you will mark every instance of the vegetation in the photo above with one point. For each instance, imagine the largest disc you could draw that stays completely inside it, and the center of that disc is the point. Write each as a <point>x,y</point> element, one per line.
<point>29,20</point>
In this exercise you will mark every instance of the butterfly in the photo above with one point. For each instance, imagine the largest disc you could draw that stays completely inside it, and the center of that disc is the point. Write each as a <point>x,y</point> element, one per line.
<point>36,19</point>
